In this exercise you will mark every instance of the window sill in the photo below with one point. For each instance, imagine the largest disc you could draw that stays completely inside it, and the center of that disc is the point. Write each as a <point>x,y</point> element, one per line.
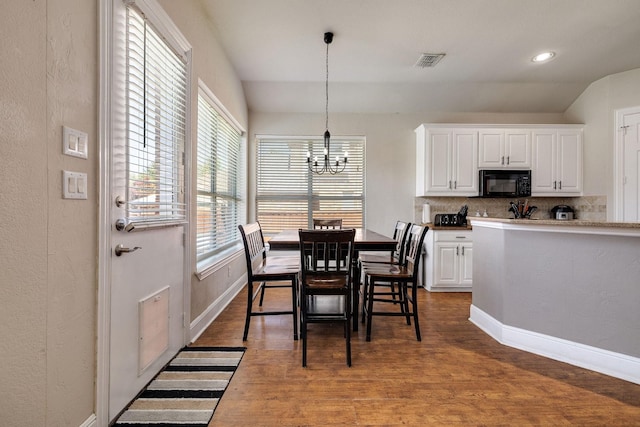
<point>208,266</point>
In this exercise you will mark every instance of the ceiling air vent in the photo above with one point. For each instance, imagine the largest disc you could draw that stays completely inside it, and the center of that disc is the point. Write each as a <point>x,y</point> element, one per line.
<point>429,59</point>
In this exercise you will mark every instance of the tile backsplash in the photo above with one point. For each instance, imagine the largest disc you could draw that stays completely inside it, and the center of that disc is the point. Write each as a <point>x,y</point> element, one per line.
<point>592,208</point>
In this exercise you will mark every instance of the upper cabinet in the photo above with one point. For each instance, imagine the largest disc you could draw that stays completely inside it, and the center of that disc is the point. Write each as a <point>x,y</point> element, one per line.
<point>446,161</point>
<point>557,162</point>
<point>449,156</point>
<point>504,149</point>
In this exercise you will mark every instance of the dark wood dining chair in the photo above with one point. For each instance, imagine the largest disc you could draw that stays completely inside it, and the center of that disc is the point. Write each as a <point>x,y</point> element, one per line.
<point>397,256</point>
<point>325,282</point>
<point>327,224</point>
<point>405,275</point>
<point>267,272</point>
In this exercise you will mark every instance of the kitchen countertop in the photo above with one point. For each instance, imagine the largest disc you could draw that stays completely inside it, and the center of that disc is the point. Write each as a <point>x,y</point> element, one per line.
<point>441,228</point>
<point>554,222</point>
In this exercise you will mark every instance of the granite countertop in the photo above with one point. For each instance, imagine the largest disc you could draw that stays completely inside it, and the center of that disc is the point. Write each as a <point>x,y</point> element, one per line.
<point>569,223</point>
<point>440,227</point>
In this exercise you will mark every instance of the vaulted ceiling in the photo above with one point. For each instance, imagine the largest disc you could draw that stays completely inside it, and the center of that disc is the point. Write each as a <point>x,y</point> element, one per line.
<point>278,51</point>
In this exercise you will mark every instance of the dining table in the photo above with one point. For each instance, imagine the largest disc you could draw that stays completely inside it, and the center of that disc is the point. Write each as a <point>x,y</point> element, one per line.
<point>365,240</point>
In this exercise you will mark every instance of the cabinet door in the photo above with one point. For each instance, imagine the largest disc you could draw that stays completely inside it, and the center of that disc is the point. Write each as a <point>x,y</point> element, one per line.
<point>446,268</point>
<point>569,165</point>
<point>466,264</point>
<point>465,162</point>
<point>491,149</point>
<point>517,149</point>
<point>439,160</point>
<point>543,162</point>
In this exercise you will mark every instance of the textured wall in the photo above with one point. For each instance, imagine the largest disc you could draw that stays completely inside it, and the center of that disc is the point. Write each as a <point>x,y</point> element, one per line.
<point>23,218</point>
<point>47,322</point>
<point>72,225</point>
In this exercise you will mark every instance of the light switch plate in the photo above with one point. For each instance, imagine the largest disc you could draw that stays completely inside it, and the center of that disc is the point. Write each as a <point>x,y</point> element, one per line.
<point>75,143</point>
<point>74,185</point>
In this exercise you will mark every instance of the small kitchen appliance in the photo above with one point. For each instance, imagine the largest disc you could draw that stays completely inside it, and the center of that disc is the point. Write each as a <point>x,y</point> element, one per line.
<point>452,219</point>
<point>562,212</point>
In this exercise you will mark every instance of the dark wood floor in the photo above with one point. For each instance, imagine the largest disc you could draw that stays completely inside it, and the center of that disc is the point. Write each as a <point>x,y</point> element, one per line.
<point>457,376</point>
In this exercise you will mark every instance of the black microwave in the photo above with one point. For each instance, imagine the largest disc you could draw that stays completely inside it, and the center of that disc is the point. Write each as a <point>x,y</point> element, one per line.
<point>505,183</point>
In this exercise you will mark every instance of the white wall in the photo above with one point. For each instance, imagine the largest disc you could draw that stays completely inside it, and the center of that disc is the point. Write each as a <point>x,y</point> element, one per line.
<point>48,247</point>
<point>211,65</point>
<point>596,108</point>
<point>390,151</point>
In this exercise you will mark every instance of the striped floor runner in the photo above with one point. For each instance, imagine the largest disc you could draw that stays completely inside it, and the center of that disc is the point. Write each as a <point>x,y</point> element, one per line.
<point>187,390</point>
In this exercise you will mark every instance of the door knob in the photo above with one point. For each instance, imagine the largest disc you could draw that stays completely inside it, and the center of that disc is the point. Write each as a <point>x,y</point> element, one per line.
<point>119,250</point>
<point>121,225</point>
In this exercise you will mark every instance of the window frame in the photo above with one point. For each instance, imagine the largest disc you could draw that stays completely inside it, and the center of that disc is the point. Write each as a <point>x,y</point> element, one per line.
<point>306,180</point>
<point>171,196</point>
<point>208,261</point>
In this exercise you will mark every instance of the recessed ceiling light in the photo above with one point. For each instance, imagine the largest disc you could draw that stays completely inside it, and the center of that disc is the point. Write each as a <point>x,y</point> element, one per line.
<point>543,57</point>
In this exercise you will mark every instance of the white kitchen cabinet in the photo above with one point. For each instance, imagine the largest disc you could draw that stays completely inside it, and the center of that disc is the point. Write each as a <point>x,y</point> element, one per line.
<point>556,162</point>
<point>449,260</point>
<point>502,148</point>
<point>446,161</point>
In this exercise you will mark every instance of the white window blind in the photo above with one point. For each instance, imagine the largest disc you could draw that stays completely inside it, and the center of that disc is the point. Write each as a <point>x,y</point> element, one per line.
<point>156,91</point>
<point>289,196</point>
<point>219,186</point>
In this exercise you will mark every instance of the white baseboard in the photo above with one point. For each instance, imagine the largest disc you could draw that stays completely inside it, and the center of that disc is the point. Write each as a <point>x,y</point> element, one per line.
<point>595,359</point>
<point>90,422</point>
<point>202,322</point>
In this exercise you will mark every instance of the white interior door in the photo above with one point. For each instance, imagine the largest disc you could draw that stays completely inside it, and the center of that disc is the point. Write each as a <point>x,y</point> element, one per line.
<point>631,166</point>
<point>147,93</point>
<point>146,307</point>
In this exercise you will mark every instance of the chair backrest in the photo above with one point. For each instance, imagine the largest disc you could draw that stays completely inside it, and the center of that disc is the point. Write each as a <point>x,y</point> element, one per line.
<point>414,248</point>
<point>327,224</point>
<point>255,250</point>
<point>326,252</point>
<point>400,234</point>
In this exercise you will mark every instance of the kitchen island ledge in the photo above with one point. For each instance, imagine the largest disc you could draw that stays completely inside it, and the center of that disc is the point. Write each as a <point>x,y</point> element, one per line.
<point>567,290</point>
<point>558,223</point>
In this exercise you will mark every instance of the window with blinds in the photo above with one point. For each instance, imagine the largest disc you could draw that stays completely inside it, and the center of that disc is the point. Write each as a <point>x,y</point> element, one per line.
<point>289,196</point>
<point>156,92</point>
<point>219,185</point>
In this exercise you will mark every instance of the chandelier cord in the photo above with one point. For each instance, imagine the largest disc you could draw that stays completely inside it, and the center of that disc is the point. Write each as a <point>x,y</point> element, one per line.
<point>326,90</point>
<point>326,165</point>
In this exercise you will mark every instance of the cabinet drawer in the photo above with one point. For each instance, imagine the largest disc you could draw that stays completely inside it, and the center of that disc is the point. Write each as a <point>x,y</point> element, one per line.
<point>452,236</point>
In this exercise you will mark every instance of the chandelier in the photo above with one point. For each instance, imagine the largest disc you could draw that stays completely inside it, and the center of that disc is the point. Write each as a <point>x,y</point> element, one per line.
<point>326,165</point>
